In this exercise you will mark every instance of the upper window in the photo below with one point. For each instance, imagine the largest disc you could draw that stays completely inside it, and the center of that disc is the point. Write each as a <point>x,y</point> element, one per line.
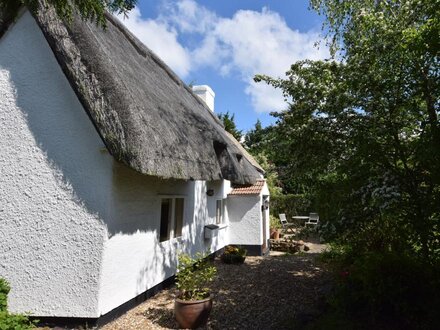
<point>171,218</point>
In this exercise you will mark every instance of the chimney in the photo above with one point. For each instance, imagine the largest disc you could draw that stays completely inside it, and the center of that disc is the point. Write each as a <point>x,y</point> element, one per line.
<point>206,94</point>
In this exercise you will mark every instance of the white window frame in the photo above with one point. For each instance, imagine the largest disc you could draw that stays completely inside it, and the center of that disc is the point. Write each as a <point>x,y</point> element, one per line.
<point>220,219</point>
<point>172,216</point>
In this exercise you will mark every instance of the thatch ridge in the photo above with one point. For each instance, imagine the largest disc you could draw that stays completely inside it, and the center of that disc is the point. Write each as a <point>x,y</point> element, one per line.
<point>146,116</point>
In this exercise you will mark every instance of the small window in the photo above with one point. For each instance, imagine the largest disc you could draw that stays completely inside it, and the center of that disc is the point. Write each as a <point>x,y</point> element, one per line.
<point>171,218</point>
<point>178,216</point>
<point>220,211</point>
<point>165,217</point>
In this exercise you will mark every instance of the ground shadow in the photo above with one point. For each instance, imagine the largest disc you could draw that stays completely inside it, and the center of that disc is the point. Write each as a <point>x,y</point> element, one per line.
<point>276,292</point>
<point>271,293</point>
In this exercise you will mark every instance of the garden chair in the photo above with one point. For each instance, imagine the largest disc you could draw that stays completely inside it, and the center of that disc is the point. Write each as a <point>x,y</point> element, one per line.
<point>313,219</point>
<point>286,224</point>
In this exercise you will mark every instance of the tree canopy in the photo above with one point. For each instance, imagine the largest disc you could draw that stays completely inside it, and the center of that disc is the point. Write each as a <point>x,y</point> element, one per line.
<point>361,133</point>
<point>228,121</point>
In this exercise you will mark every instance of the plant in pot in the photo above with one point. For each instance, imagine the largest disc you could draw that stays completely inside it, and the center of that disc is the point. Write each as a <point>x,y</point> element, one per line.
<point>234,255</point>
<point>193,303</point>
<point>275,227</point>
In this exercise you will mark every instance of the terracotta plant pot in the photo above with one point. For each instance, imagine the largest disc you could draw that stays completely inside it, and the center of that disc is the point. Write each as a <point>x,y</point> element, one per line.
<point>191,314</point>
<point>275,233</point>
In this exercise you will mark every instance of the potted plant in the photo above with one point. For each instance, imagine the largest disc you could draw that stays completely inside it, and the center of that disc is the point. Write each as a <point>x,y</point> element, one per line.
<point>233,255</point>
<point>193,303</point>
<point>275,227</point>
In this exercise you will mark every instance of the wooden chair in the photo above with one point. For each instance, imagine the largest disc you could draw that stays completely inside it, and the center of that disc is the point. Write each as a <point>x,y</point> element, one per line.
<point>313,219</point>
<point>286,224</point>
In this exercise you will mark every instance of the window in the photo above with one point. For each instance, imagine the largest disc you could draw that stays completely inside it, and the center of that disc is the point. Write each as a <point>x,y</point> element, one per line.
<point>220,211</point>
<point>178,217</point>
<point>171,218</point>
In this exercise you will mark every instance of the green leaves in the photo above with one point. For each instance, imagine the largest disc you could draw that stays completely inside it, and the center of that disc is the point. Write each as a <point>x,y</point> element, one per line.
<point>362,135</point>
<point>11,321</point>
<point>229,123</point>
<point>193,276</point>
<point>93,10</point>
<point>4,290</point>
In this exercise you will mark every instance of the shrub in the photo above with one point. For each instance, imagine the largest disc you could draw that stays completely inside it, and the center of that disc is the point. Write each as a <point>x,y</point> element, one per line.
<point>275,222</point>
<point>234,255</point>
<point>391,290</point>
<point>4,290</point>
<point>193,276</point>
<point>15,322</point>
<point>11,321</point>
<point>290,205</point>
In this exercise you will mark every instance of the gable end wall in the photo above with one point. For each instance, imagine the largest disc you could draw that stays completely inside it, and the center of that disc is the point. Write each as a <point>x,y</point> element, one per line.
<point>52,179</point>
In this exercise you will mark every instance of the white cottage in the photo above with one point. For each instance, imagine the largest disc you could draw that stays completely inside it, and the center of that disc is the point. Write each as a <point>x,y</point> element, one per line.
<point>109,166</point>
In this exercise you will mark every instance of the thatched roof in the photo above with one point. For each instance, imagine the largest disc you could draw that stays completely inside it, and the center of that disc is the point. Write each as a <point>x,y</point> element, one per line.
<point>146,116</point>
<point>248,156</point>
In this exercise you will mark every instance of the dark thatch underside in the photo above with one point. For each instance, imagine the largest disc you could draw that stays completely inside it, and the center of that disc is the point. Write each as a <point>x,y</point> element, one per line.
<point>146,116</point>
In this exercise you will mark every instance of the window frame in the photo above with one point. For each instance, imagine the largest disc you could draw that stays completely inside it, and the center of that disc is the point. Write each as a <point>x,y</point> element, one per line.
<point>220,219</point>
<point>172,230</point>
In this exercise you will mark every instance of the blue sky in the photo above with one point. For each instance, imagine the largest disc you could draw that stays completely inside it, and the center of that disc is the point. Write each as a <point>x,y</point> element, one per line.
<point>223,44</point>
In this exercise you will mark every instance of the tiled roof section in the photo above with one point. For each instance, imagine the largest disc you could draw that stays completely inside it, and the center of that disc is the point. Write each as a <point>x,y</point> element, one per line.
<point>249,190</point>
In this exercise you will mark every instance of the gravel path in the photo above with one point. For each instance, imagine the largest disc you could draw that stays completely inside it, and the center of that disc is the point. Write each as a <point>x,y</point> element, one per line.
<point>275,292</point>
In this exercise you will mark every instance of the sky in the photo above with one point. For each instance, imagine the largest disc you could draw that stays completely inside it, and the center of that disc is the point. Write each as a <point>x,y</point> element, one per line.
<point>225,43</point>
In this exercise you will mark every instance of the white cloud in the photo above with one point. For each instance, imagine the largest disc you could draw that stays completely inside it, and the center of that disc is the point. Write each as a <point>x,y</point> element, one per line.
<point>161,39</point>
<point>248,43</point>
<point>258,42</point>
<point>188,16</point>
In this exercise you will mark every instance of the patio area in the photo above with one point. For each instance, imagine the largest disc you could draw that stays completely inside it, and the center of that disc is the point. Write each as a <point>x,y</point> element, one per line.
<point>280,291</point>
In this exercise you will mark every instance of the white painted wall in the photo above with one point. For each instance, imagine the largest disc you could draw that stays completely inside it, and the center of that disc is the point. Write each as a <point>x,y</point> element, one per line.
<point>79,231</point>
<point>134,259</point>
<point>245,220</point>
<point>266,194</point>
<point>53,183</point>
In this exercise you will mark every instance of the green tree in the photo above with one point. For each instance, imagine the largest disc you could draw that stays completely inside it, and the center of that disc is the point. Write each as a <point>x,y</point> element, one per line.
<point>253,139</point>
<point>257,139</point>
<point>271,174</point>
<point>230,126</point>
<point>362,132</point>
<point>87,9</point>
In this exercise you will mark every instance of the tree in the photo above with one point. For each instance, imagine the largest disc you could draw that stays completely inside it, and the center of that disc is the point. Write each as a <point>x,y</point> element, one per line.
<point>362,132</point>
<point>87,9</point>
<point>255,137</point>
<point>230,126</point>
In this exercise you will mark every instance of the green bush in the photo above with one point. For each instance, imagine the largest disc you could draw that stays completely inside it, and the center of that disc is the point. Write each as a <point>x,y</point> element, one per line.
<point>275,222</point>
<point>234,255</point>
<point>15,322</point>
<point>4,290</point>
<point>388,290</point>
<point>290,205</point>
<point>193,276</point>
<point>11,321</point>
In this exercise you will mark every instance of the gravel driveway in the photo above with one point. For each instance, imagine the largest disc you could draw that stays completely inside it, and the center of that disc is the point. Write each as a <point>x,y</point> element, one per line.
<point>275,292</point>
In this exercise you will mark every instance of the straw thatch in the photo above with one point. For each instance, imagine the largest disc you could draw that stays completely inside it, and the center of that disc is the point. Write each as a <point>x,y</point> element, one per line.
<point>146,116</point>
